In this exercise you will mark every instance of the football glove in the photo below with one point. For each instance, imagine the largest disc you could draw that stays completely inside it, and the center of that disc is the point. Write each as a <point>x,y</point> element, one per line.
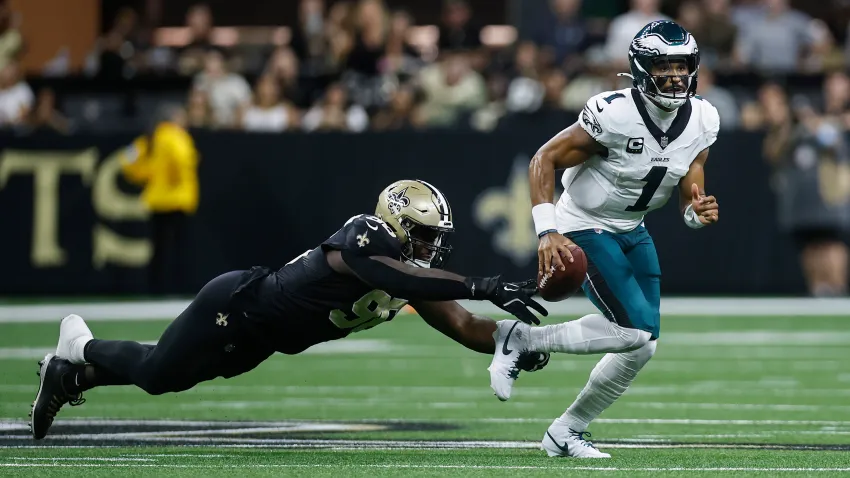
<point>514,298</point>
<point>532,361</point>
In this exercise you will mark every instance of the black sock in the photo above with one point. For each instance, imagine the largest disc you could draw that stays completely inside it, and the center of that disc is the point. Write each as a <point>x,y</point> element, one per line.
<point>75,381</point>
<point>86,377</point>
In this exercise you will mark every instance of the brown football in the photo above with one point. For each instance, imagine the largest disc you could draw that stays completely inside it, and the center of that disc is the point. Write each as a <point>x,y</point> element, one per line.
<point>561,284</point>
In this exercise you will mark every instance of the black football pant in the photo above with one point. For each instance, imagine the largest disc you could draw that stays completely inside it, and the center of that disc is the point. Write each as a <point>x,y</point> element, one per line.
<point>204,342</point>
<point>168,234</point>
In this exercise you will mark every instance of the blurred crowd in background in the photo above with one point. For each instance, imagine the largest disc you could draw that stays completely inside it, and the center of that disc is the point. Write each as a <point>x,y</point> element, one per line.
<point>772,66</point>
<point>355,66</point>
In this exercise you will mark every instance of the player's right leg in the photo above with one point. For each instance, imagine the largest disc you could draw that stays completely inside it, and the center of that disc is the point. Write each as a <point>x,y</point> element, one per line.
<point>195,347</point>
<point>626,324</point>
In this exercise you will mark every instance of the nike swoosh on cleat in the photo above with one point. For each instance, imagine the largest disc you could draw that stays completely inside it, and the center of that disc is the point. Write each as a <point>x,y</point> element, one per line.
<point>505,349</point>
<point>562,448</point>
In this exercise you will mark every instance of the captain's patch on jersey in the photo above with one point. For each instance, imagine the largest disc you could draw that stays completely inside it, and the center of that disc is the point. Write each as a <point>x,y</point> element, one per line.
<point>634,146</point>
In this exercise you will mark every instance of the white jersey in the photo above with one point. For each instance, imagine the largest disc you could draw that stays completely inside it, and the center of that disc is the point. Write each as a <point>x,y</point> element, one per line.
<point>643,165</point>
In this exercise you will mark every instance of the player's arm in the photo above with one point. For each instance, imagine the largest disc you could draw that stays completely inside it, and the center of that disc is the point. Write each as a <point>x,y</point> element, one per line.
<point>569,148</point>
<point>402,280</point>
<point>697,209</point>
<point>474,332</point>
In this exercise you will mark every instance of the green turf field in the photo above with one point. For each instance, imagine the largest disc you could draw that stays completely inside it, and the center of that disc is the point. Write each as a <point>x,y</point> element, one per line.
<point>727,396</point>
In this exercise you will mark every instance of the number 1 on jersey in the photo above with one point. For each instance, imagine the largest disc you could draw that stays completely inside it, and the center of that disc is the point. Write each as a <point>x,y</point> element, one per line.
<point>653,181</point>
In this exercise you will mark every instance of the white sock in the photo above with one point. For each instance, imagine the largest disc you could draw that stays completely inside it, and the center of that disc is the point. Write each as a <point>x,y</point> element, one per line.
<point>78,348</point>
<point>591,334</point>
<point>608,380</point>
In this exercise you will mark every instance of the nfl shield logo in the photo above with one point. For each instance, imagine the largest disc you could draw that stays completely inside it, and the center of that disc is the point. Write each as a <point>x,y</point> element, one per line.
<point>664,142</point>
<point>598,231</point>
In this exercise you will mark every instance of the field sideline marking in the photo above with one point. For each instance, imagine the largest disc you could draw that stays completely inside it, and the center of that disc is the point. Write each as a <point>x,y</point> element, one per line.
<point>683,306</point>
<point>403,465</point>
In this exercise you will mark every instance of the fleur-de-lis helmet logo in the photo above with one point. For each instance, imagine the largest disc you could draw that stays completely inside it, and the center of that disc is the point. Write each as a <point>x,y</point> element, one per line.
<point>397,200</point>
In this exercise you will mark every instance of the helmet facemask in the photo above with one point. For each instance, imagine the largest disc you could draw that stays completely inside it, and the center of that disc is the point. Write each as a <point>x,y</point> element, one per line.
<point>427,246</point>
<point>662,88</point>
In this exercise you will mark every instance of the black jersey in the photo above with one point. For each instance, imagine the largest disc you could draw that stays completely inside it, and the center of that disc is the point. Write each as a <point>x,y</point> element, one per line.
<point>306,302</point>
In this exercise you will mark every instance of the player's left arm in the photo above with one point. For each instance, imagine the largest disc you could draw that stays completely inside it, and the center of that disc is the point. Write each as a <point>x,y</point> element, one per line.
<point>452,320</point>
<point>697,209</point>
<point>473,331</point>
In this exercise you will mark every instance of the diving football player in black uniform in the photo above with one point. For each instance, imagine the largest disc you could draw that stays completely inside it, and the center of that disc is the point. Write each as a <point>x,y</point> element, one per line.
<point>360,277</point>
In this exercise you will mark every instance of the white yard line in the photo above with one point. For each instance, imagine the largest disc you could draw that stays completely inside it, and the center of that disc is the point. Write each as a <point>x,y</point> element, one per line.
<point>15,424</point>
<point>410,466</point>
<point>578,306</point>
<point>349,346</point>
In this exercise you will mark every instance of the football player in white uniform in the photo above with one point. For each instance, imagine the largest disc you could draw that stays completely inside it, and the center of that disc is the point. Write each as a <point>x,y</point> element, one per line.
<point>624,156</point>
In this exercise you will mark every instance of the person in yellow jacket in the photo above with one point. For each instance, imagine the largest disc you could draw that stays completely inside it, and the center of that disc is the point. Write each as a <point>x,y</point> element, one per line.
<point>164,162</point>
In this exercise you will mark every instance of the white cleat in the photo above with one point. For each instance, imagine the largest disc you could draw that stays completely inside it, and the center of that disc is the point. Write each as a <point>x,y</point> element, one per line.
<point>74,334</point>
<point>512,338</point>
<point>562,441</point>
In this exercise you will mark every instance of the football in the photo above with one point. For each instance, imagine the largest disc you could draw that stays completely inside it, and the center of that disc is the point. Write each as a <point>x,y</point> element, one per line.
<point>561,284</point>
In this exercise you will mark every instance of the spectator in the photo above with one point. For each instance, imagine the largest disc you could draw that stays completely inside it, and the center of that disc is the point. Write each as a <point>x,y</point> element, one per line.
<point>227,92</point>
<point>371,37</point>
<point>400,59</point>
<point>457,30</point>
<point>776,42</point>
<point>623,29</point>
<point>720,98</point>
<point>836,102</point>
<point>192,57</point>
<point>164,162</point>
<point>487,117</point>
<point>309,41</point>
<point>717,34</point>
<point>554,84</point>
<point>11,42</point>
<point>401,113</point>
<point>334,113</point>
<point>284,67</point>
<point>811,163</point>
<point>769,111</point>
<point>198,110</point>
<point>340,31</point>
<point>45,115</point>
<point>563,36</point>
<point>744,13</point>
<point>451,87</point>
<point>268,113</point>
<point>16,97</point>
<point>525,93</point>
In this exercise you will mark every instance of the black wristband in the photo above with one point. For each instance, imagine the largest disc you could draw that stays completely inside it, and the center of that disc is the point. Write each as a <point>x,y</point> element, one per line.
<point>547,231</point>
<point>482,288</point>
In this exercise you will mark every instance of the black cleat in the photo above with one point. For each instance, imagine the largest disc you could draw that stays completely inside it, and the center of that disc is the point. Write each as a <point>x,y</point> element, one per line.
<point>51,395</point>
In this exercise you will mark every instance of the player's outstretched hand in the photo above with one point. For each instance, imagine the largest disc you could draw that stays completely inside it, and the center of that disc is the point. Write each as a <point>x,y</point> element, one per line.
<point>530,361</point>
<point>706,207</point>
<point>515,298</point>
<point>549,251</point>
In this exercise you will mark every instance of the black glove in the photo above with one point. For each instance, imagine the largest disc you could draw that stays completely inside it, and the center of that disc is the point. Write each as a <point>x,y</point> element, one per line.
<point>512,297</point>
<point>532,361</point>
